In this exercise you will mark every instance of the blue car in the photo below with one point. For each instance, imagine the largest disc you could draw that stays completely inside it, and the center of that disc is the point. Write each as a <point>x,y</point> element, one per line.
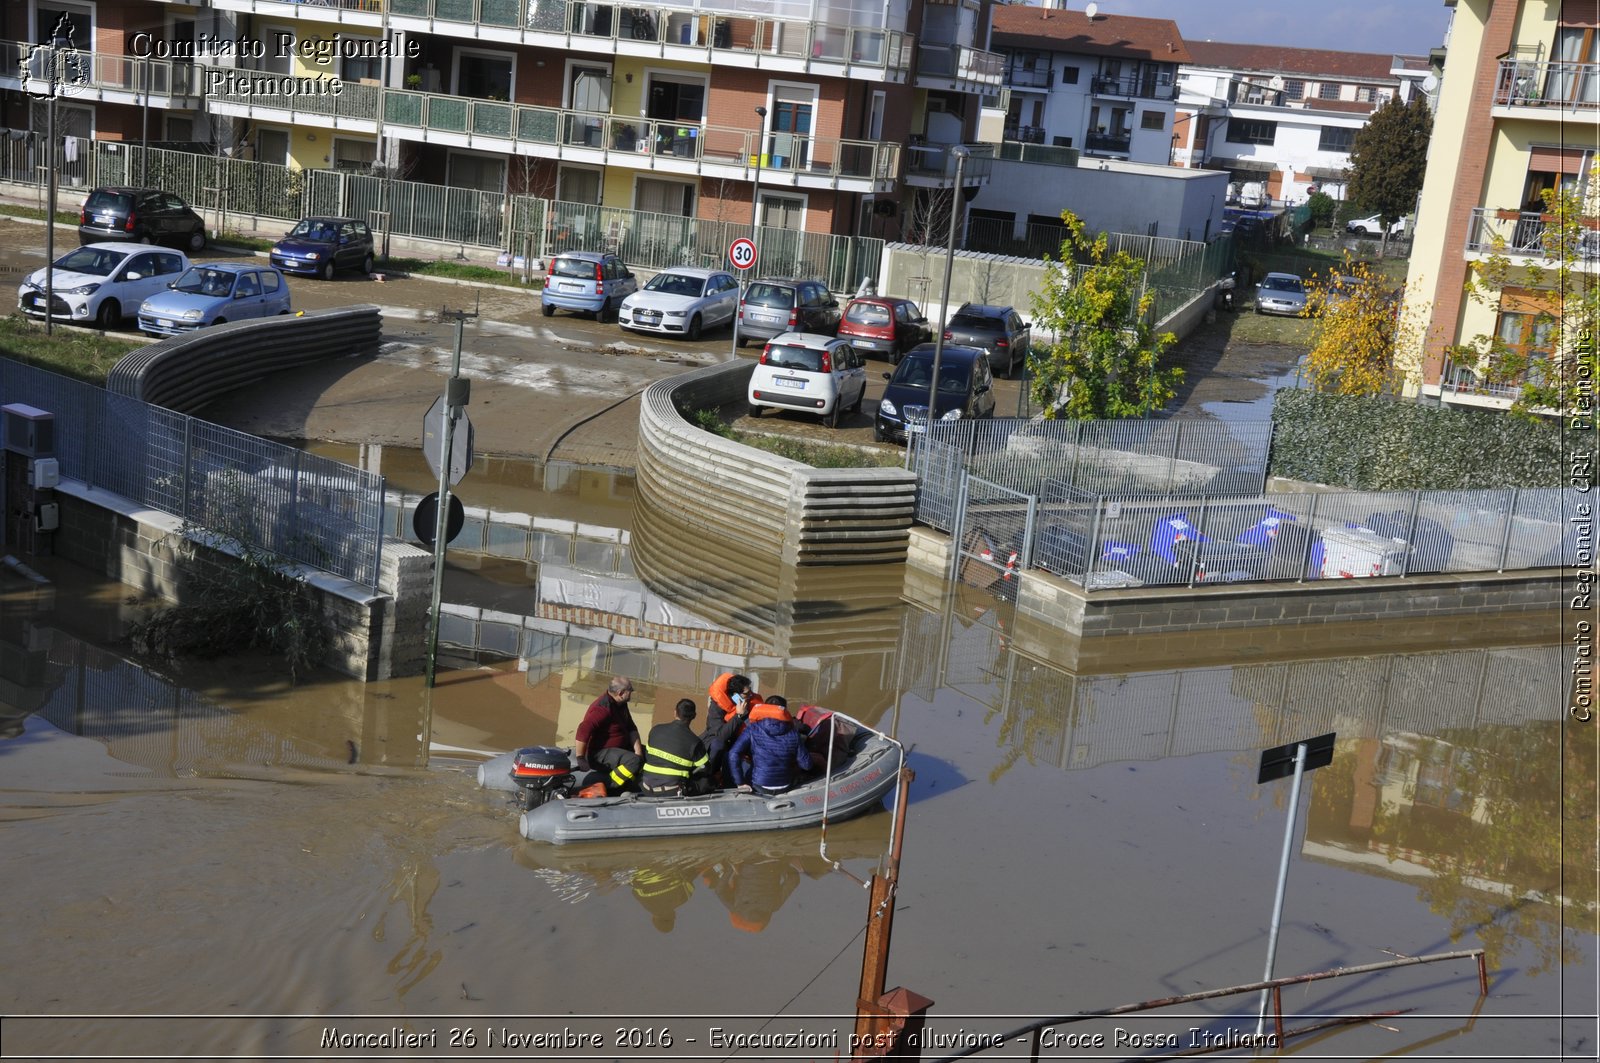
<point>320,246</point>
<point>212,294</point>
<point>592,282</point>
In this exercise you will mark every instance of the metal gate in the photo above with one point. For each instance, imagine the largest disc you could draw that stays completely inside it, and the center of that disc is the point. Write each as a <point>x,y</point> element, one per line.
<point>994,535</point>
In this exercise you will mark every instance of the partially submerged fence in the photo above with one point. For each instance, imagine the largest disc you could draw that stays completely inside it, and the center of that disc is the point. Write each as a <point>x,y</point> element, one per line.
<point>300,507</point>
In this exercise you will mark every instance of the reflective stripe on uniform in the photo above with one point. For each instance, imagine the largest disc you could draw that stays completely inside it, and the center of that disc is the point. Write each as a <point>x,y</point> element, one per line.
<point>654,768</point>
<point>620,775</point>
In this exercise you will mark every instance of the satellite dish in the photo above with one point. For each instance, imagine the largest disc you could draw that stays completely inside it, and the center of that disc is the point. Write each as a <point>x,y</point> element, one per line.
<point>1091,11</point>
<point>1276,84</point>
<point>1430,83</point>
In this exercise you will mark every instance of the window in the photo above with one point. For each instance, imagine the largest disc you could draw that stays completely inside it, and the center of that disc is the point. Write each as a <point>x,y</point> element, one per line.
<point>269,282</point>
<point>1152,120</point>
<point>1294,89</point>
<point>246,286</point>
<point>356,67</point>
<point>1328,90</point>
<point>354,154</point>
<point>1251,131</point>
<point>1069,75</point>
<point>1527,339</point>
<point>272,145</point>
<point>782,212</point>
<point>676,99</point>
<point>1364,94</point>
<point>1337,138</point>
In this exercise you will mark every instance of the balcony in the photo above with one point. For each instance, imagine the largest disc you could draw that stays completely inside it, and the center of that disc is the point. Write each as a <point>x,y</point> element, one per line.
<point>116,78</point>
<point>932,165</point>
<point>1546,90</point>
<point>337,12</point>
<point>1026,134</point>
<point>957,68</point>
<point>1533,236</point>
<point>354,109</point>
<point>691,36</point>
<point>1152,85</point>
<point>1030,78</point>
<point>613,140</point>
<point>1108,143</point>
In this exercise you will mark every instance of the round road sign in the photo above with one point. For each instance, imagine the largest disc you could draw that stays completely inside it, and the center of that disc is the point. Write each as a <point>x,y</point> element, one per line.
<point>742,253</point>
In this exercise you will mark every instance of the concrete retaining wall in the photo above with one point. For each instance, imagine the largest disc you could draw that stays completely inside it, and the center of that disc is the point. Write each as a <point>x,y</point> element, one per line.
<point>802,515</point>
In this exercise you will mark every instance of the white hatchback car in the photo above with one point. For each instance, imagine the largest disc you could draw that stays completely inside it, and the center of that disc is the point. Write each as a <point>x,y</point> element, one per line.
<point>682,301</point>
<point>100,284</point>
<point>811,374</point>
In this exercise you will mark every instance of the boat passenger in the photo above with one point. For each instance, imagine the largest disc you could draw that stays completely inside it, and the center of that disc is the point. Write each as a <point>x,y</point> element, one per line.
<point>728,705</point>
<point>774,746</point>
<point>674,756</point>
<point>608,739</point>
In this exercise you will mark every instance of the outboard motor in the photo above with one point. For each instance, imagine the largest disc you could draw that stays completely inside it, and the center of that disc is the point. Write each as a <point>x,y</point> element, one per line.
<point>542,772</point>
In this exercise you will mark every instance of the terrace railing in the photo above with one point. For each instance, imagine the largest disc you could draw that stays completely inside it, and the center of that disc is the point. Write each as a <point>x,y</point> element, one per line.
<point>1556,86</point>
<point>1515,232</point>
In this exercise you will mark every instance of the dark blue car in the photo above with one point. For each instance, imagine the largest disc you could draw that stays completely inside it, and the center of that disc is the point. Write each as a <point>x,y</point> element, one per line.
<point>320,247</point>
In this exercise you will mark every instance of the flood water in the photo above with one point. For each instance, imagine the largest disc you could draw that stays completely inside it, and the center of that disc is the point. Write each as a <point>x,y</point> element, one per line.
<point>253,863</point>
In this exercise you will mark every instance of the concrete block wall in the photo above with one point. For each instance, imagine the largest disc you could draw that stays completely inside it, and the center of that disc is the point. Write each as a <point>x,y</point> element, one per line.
<point>406,577</point>
<point>758,499</point>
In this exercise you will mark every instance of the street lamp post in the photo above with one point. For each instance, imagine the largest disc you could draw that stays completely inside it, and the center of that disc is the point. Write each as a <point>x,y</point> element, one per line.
<point>755,210</point>
<point>960,152</point>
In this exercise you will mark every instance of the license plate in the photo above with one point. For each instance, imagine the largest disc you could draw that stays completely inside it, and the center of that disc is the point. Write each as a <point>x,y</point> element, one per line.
<point>871,345</point>
<point>647,318</point>
<point>572,287</point>
<point>789,382</point>
<point>107,219</point>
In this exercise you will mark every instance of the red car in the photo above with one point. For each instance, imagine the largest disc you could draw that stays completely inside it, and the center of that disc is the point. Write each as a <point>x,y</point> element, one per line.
<point>884,326</point>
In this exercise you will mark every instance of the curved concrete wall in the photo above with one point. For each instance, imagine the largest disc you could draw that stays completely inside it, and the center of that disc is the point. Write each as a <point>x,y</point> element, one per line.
<point>799,514</point>
<point>185,372</point>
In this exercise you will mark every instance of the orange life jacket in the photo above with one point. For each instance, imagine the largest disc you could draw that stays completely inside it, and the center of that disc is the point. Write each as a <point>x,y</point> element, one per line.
<point>762,711</point>
<point>719,697</point>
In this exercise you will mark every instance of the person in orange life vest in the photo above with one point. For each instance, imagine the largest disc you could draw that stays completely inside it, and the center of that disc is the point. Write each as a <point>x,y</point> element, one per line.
<point>608,739</point>
<point>727,707</point>
<point>775,747</point>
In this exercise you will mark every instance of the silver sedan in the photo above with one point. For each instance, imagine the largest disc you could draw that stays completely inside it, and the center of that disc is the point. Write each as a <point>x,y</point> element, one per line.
<point>1281,293</point>
<point>682,301</point>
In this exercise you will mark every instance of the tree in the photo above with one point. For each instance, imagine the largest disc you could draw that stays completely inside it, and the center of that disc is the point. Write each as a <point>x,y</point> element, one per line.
<point>1552,361</point>
<point>1105,360</point>
<point>1322,207</point>
<point>1358,330</point>
<point>1389,158</point>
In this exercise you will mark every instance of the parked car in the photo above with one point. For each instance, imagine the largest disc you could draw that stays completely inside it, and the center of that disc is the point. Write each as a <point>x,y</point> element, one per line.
<point>1281,293</point>
<point>775,305</point>
<point>594,282</point>
<point>100,283</point>
<point>884,325</point>
<point>1253,194</point>
<point>810,373</point>
<point>214,293</point>
<point>682,301</point>
<point>966,390</point>
<point>999,330</point>
<point>141,215</point>
<point>1372,225</point>
<point>320,246</point>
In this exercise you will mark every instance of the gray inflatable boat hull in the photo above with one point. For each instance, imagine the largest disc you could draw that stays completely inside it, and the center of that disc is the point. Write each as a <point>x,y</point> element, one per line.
<point>855,787</point>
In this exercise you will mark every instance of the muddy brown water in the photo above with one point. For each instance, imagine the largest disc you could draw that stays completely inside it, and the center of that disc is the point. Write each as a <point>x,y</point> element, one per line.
<point>211,842</point>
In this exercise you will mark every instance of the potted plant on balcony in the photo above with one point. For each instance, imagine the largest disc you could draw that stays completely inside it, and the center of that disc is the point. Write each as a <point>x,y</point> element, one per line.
<point>413,82</point>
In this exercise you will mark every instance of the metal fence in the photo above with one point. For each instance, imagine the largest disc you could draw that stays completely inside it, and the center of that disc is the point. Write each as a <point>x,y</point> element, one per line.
<point>300,507</point>
<point>225,187</point>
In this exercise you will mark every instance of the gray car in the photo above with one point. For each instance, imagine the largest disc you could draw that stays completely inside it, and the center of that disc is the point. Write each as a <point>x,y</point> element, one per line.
<point>775,305</point>
<point>1281,293</point>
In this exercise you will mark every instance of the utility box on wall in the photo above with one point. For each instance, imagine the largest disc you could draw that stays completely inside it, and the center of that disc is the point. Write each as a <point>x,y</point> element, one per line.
<point>27,430</point>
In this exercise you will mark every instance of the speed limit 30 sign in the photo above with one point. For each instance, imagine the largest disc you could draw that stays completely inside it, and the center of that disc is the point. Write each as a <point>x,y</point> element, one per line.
<point>742,253</point>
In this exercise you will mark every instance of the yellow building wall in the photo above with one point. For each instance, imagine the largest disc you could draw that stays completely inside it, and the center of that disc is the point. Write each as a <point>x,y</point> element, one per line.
<point>617,188</point>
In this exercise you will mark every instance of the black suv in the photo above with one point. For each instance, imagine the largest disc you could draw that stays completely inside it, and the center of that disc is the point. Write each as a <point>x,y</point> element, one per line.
<point>997,329</point>
<point>144,215</point>
<point>775,305</point>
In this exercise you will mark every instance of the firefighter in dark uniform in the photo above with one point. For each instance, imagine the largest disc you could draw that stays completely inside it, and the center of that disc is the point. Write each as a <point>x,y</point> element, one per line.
<point>674,756</point>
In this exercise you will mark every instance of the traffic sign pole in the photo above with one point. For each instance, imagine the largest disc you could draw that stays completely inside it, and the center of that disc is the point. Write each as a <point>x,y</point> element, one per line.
<point>456,394</point>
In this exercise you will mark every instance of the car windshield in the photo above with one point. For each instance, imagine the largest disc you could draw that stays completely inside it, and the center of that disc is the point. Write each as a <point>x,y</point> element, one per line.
<point>867,314</point>
<point>95,261</point>
<point>788,356</point>
<point>770,295</point>
<point>313,229</point>
<point>1283,284</point>
<point>913,373</point>
<point>202,281</point>
<point>574,267</point>
<point>108,202</point>
<point>675,284</point>
<point>977,321</point>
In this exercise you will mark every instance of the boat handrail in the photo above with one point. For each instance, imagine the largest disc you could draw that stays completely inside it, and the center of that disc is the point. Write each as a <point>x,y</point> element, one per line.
<point>828,788</point>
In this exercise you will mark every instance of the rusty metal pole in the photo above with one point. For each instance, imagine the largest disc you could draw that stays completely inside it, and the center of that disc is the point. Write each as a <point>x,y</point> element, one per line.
<point>880,924</point>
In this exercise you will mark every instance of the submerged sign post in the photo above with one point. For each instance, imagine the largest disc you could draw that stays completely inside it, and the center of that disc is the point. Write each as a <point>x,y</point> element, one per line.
<point>1295,759</point>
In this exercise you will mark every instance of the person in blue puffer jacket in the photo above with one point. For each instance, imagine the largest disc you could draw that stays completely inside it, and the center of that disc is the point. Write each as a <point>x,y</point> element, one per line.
<point>775,749</point>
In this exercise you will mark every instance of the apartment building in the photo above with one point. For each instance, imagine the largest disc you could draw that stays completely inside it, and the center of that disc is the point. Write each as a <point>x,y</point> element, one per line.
<point>1103,84</point>
<point>1283,117</point>
<point>653,108</point>
<point>1518,113</point>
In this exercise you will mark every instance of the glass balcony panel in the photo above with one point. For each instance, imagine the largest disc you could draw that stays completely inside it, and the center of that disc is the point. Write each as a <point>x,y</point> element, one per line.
<point>538,124</point>
<point>548,15</point>
<point>414,8</point>
<point>500,12</point>
<point>454,10</point>
<point>447,114</point>
<point>492,119</point>
<point>403,108</point>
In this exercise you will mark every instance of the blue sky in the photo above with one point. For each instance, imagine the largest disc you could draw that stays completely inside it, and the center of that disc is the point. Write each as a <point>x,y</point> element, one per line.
<point>1411,27</point>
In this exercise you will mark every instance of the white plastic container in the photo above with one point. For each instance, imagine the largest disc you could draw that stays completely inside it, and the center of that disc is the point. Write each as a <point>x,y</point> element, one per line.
<point>1355,553</point>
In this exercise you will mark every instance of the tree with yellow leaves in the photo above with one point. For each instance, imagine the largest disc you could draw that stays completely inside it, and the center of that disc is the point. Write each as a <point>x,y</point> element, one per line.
<point>1358,327</point>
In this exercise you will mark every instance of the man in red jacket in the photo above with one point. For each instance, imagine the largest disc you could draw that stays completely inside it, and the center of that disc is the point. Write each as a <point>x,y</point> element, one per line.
<point>608,739</point>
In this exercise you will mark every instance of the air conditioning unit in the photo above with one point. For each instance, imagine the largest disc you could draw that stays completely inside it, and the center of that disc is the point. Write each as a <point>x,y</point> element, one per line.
<point>27,430</point>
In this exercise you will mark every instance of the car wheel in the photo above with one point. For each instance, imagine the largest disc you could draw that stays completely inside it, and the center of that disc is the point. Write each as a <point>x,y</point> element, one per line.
<point>109,315</point>
<point>146,238</point>
<point>878,435</point>
<point>366,263</point>
<point>752,410</point>
<point>220,321</point>
<point>831,418</point>
<point>548,310</point>
<point>694,328</point>
<point>197,241</point>
<point>326,272</point>
<point>738,338</point>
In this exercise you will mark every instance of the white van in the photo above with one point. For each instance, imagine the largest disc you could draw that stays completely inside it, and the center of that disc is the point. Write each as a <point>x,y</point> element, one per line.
<point>1252,194</point>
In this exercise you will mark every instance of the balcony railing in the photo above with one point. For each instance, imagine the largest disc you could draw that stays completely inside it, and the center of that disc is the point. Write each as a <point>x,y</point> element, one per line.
<point>1118,142</point>
<point>1149,86</point>
<point>333,7</point>
<point>358,102</point>
<point>118,73</point>
<point>935,160</point>
<point>960,63</point>
<point>1514,232</point>
<point>1555,86</point>
<point>1023,78</point>
<point>674,28</point>
<point>630,137</point>
<point>1027,134</point>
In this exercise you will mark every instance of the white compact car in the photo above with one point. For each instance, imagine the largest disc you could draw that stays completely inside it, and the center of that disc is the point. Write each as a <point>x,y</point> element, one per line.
<point>1373,226</point>
<point>682,301</point>
<point>100,284</point>
<point>809,373</point>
